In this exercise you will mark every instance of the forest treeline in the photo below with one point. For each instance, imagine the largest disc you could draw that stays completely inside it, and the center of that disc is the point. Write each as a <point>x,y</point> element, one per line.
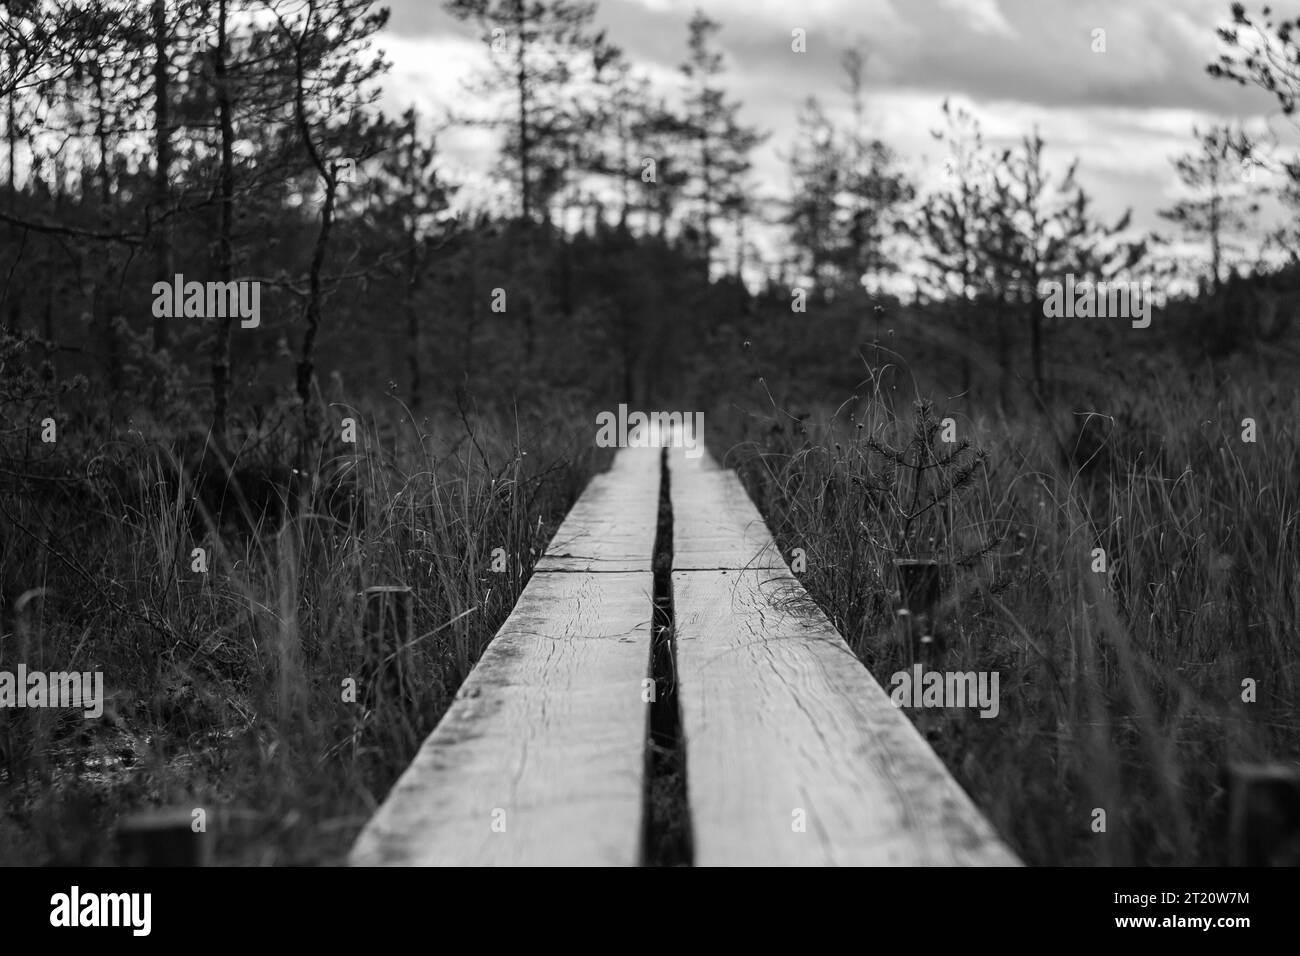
<point>241,141</point>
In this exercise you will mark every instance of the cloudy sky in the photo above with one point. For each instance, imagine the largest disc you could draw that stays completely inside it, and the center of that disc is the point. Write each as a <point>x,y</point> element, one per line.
<point>1014,63</point>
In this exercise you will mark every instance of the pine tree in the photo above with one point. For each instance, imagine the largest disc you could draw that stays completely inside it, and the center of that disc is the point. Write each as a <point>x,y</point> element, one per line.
<point>816,171</point>
<point>1263,52</point>
<point>722,144</point>
<point>1218,205</point>
<point>550,59</point>
<point>323,42</point>
<point>875,190</point>
<point>660,133</point>
<point>1045,230</point>
<point>413,198</point>
<point>957,225</point>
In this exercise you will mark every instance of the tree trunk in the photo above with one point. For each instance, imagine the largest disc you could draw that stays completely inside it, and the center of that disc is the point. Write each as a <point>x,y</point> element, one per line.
<point>414,269</point>
<point>105,303</point>
<point>740,246</point>
<point>11,135</point>
<point>1216,252</point>
<point>225,250</point>
<point>471,314</point>
<point>306,365</point>
<point>525,146</point>
<point>1036,349</point>
<point>306,369</point>
<point>1004,353</point>
<point>707,165</point>
<point>162,167</point>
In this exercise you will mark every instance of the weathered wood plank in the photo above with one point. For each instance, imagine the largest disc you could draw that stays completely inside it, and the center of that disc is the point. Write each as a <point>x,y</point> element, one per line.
<point>779,716</point>
<point>715,525</point>
<point>549,729</point>
<point>612,525</point>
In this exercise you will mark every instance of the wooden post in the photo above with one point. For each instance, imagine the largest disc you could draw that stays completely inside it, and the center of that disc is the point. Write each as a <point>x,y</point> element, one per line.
<point>388,631</point>
<point>162,838</point>
<point>920,586</point>
<point>1263,815</point>
<point>919,583</point>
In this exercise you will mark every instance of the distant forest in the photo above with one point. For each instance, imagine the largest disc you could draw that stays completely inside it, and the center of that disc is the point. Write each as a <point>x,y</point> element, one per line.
<point>240,141</point>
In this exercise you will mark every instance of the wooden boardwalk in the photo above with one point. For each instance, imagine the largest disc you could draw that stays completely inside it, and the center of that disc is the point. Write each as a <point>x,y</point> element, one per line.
<point>541,757</point>
<point>794,754</point>
<point>782,724</point>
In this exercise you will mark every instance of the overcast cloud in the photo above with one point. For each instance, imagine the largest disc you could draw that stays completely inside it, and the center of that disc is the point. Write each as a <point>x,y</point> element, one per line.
<point>1014,63</point>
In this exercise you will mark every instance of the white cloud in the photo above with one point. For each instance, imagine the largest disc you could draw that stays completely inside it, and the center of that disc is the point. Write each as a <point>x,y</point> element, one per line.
<point>1014,63</point>
<point>982,16</point>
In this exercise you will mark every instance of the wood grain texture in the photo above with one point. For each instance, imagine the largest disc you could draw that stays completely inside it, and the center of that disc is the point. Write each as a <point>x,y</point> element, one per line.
<point>715,525</point>
<point>549,727</point>
<point>612,525</point>
<point>779,715</point>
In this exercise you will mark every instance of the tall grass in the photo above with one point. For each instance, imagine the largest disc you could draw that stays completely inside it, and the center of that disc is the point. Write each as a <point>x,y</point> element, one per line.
<point>227,688</point>
<point>1120,691</point>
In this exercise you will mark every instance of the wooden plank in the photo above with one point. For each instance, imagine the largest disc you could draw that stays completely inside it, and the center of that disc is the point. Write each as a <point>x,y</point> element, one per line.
<point>779,716</point>
<point>715,525</point>
<point>549,728</point>
<point>612,525</point>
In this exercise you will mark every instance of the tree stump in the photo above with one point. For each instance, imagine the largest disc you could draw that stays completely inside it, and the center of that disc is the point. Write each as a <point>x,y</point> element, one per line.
<point>1263,815</point>
<point>388,630</point>
<point>920,587</point>
<point>163,837</point>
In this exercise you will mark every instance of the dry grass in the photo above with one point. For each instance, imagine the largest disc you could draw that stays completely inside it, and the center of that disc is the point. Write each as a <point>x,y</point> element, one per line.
<point>1120,690</point>
<point>227,688</point>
